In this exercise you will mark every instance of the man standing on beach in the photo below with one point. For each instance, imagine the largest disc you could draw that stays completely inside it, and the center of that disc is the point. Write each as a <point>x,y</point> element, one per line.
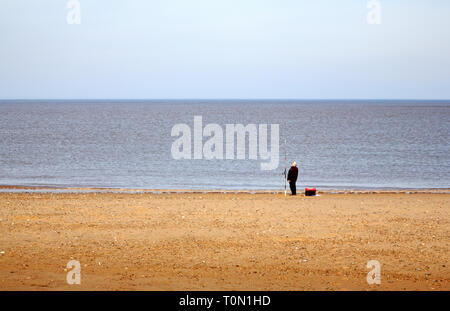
<point>292,177</point>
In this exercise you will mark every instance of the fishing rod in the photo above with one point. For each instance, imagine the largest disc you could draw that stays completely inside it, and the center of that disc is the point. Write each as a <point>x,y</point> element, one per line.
<point>285,176</point>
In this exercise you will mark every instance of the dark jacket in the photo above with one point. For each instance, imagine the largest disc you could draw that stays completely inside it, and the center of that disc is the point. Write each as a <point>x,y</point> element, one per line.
<point>293,173</point>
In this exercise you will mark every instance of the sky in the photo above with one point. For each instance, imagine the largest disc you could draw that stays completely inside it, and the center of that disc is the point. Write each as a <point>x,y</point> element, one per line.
<point>287,49</point>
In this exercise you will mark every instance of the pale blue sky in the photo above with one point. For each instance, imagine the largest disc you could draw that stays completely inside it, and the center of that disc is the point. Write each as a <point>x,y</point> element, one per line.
<point>225,49</point>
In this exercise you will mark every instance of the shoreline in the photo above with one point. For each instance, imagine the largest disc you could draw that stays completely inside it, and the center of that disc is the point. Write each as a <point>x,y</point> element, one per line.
<point>56,189</point>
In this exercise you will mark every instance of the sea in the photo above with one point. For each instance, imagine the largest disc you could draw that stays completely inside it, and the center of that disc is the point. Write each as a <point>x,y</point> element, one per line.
<point>337,144</point>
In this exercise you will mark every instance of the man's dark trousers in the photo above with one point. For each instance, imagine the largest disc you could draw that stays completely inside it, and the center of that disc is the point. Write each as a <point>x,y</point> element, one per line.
<point>293,188</point>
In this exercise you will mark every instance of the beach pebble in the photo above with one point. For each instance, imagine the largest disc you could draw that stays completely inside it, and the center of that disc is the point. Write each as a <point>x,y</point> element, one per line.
<point>2,252</point>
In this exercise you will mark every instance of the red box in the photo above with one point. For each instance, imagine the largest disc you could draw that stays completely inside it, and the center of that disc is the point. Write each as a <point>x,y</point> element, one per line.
<point>310,191</point>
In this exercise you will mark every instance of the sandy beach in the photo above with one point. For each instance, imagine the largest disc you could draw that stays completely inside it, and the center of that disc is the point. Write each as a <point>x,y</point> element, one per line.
<point>232,241</point>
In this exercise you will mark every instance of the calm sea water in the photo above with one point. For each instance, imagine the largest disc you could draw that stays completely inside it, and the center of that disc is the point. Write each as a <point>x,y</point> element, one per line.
<point>338,144</point>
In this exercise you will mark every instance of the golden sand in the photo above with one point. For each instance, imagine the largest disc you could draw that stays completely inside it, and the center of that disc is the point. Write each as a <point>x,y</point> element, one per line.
<point>215,241</point>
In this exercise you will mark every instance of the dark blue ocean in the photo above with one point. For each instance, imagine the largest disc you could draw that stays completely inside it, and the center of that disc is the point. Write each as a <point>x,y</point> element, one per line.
<point>127,144</point>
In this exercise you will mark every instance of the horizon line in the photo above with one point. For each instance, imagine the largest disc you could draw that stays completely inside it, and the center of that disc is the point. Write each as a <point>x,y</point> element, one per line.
<point>225,99</point>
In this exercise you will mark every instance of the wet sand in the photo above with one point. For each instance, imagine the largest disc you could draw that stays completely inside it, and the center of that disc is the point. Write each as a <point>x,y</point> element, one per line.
<point>232,241</point>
